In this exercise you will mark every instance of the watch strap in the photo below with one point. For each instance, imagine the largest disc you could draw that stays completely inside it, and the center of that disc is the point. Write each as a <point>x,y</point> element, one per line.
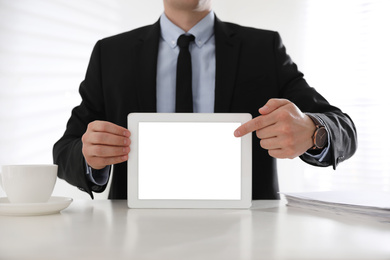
<point>318,125</point>
<point>316,121</point>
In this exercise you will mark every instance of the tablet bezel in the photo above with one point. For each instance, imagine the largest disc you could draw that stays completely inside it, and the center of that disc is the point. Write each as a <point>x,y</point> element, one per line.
<point>132,165</point>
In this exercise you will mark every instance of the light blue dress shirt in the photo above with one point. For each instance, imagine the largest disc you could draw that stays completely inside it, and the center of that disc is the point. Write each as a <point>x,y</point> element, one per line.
<point>203,65</point>
<point>203,76</point>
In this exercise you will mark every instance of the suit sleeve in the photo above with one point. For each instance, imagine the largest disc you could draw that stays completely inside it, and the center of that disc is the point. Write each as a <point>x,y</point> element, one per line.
<point>67,152</point>
<point>292,86</point>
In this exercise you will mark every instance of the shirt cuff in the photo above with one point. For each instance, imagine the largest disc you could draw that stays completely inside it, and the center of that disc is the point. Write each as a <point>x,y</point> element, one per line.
<point>323,156</point>
<point>98,177</point>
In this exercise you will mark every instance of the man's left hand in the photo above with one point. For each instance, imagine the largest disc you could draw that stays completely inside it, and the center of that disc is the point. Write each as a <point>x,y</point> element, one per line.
<point>282,128</point>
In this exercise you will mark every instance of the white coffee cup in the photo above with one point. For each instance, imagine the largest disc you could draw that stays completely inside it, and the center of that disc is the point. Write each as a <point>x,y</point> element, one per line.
<point>28,183</point>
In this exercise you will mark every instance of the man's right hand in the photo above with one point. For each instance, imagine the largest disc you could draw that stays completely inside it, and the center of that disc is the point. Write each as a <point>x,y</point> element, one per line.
<point>105,143</point>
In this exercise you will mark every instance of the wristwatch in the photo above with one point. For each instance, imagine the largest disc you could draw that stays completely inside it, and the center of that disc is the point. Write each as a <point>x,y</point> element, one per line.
<point>320,137</point>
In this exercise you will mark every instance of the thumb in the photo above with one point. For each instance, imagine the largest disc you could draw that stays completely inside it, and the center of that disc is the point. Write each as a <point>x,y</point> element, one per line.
<point>272,105</point>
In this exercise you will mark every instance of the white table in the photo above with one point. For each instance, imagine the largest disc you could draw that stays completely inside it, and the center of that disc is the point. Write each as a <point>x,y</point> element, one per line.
<point>106,229</point>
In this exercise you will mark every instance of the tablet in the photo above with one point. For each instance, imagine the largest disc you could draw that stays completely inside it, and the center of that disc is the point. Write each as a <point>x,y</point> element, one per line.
<point>189,160</point>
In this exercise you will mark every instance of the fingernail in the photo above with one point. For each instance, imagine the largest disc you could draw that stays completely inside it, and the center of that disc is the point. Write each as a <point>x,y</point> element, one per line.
<point>237,133</point>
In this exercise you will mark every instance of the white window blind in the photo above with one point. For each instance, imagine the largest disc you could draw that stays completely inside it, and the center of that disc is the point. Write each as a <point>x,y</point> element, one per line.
<point>346,58</point>
<point>44,54</point>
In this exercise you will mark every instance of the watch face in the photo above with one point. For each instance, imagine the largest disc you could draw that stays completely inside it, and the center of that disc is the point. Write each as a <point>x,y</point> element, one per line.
<point>321,138</point>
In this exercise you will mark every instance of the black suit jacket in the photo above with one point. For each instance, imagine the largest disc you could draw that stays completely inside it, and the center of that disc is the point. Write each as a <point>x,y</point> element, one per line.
<point>251,67</point>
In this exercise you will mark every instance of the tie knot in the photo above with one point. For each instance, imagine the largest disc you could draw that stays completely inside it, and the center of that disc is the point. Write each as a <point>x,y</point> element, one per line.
<point>184,40</point>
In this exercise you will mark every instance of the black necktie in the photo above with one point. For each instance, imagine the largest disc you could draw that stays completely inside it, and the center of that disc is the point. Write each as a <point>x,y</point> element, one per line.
<point>184,76</point>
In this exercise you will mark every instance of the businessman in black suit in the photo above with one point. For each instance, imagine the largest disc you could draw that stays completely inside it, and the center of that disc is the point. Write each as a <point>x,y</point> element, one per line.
<point>248,71</point>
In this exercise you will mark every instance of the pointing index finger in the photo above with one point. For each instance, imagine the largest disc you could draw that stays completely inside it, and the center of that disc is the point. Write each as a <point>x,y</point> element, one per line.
<point>250,126</point>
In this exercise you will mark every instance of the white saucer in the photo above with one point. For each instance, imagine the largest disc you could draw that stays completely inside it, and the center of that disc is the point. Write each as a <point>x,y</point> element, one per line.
<point>54,205</point>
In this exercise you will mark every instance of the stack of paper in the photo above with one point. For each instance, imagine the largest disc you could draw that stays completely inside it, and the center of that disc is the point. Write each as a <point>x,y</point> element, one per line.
<point>373,205</point>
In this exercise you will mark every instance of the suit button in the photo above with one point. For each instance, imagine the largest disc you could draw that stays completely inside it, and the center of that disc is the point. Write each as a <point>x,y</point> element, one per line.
<point>340,159</point>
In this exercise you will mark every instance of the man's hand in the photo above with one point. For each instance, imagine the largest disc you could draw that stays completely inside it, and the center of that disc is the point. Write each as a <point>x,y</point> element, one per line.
<point>283,129</point>
<point>105,143</point>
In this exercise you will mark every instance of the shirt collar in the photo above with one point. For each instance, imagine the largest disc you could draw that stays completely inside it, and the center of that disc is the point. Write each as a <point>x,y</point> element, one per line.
<point>202,31</point>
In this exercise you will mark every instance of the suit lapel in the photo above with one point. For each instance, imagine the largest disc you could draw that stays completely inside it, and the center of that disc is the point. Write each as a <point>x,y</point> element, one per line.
<point>227,49</point>
<point>146,53</point>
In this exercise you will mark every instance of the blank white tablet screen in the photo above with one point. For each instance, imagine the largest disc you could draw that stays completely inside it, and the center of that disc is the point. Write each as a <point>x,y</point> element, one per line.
<point>189,160</point>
